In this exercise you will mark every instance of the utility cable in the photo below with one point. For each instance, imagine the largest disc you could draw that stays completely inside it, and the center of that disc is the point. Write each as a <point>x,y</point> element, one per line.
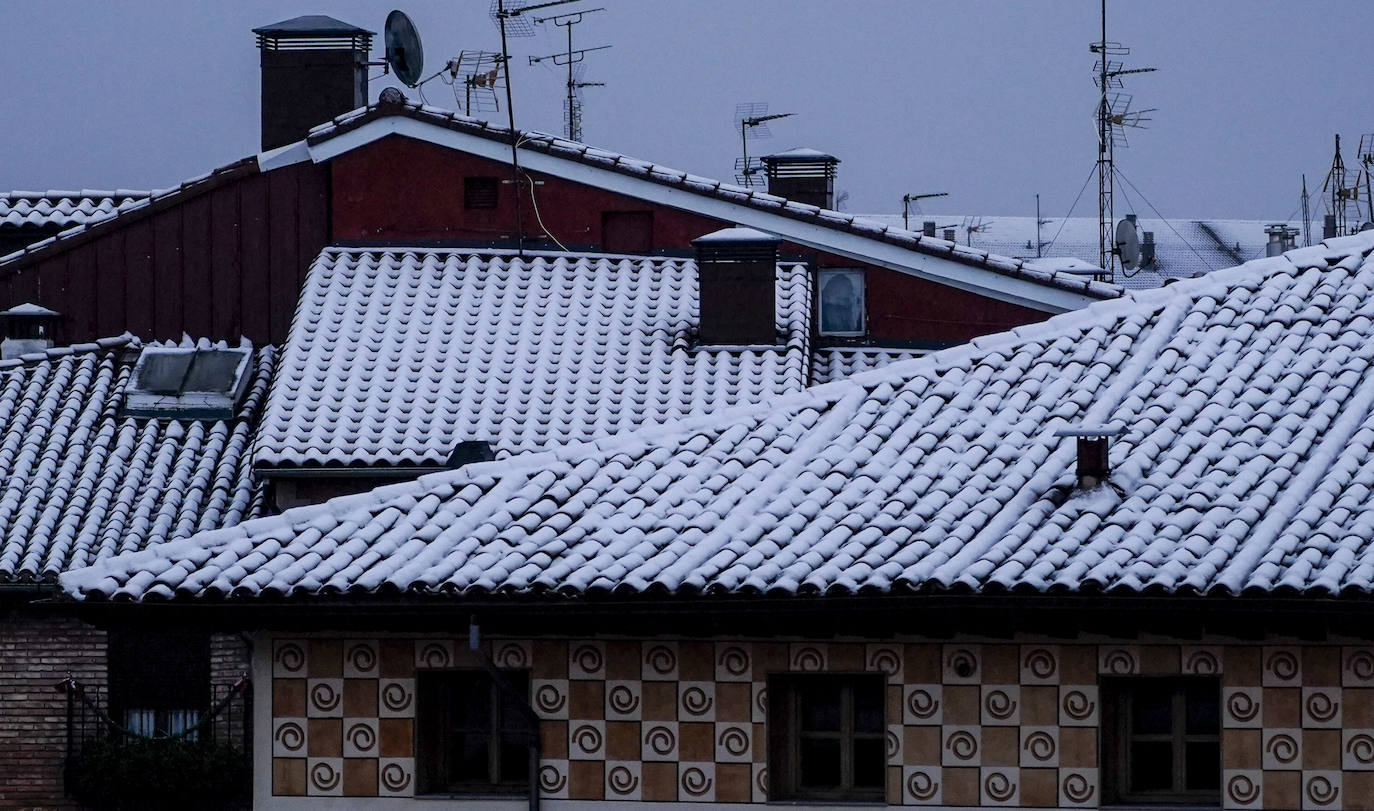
<point>1139,194</point>
<point>1065,221</point>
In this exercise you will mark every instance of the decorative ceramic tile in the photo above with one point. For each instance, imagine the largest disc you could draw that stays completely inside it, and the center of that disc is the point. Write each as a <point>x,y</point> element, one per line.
<point>396,698</point>
<point>696,701</point>
<point>999,785</point>
<point>660,741</point>
<point>624,780</point>
<point>1321,707</point>
<point>896,734</point>
<point>1241,707</point>
<point>961,664</point>
<point>1078,705</point>
<point>288,737</point>
<point>1118,660</point>
<point>550,698</point>
<point>288,658</point>
<point>1000,705</point>
<point>1242,788</point>
<point>960,745</point>
<point>758,702</point>
<point>1040,746</point>
<point>587,740</point>
<point>660,662</point>
<point>1357,750</point>
<point>360,659</point>
<point>807,657</point>
<point>360,737</point>
<point>324,776</point>
<point>324,698</point>
<point>624,700</point>
<point>1196,660</point>
<point>887,659</point>
<point>734,661</point>
<point>435,653</point>
<point>734,743</point>
<point>1281,749</point>
<point>1321,790</point>
<point>1040,664</point>
<point>922,704</point>
<point>697,782</point>
<point>921,785</point>
<point>1357,667</point>
<point>512,654</point>
<point>760,782</point>
<point>1281,667</point>
<point>587,659</point>
<point>1078,788</point>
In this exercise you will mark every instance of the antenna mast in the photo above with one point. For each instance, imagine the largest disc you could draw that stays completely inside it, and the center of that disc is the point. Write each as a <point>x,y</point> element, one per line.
<point>1342,196</point>
<point>1114,114</point>
<point>908,199</point>
<point>570,58</point>
<point>752,119</point>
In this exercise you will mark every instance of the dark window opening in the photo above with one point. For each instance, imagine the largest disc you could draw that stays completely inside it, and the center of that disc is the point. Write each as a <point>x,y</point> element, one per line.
<point>1162,740</point>
<point>472,736</point>
<point>842,302</point>
<point>627,231</point>
<point>827,738</point>
<point>480,192</point>
<point>159,680</point>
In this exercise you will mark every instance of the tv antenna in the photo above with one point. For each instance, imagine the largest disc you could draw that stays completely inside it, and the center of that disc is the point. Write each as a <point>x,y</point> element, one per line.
<point>1114,115</point>
<point>478,74</point>
<point>1343,195</point>
<point>571,57</point>
<point>975,225</point>
<point>908,199</point>
<point>751,119</point>
<point>1367,161</point>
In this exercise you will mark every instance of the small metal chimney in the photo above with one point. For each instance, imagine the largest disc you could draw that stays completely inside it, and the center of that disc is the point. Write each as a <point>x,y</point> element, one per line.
<point>1329,226</point>
<point>1094,442</point>
<point>802,176</point>
<point>1147,250</point>
<point>951,235</point>
<point>314,68</point>
<point>737,280</point>
<point>28,328</point>
<point>928,228</point>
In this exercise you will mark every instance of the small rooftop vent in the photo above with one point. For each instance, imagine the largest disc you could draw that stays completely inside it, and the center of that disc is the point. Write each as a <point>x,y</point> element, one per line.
<point>1094,443</point>
<point>1147,250</point>
<point>187,382</point>
<point>28,328</point>
<point>1281,238</point>
<point>802,176</point>
<point>313,69</point>
<point>737,279</point>
<point>928,228</point>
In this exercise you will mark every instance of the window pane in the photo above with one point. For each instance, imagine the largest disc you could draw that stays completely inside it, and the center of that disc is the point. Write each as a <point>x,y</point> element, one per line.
<point>868,707</point>
<point>515,762</point>
<point>471,702</point>
<point>468,757</point>
<point>1204,711</point>
<point>841,302</point>
<point>1152,709</point>
<point>1152,766</point>
<point>1203,765</point>
<point>819,765</point>
<point>820,706</point>
<point>870,760</point>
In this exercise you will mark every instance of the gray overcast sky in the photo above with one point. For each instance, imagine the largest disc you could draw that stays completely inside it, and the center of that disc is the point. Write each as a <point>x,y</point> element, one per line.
<point>988,100</point>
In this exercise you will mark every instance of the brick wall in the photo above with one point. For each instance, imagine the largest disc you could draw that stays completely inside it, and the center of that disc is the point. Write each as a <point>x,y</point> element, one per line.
<point>36,652</point>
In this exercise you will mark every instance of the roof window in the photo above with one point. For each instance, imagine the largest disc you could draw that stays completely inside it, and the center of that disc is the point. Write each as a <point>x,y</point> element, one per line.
<point>185,382</point>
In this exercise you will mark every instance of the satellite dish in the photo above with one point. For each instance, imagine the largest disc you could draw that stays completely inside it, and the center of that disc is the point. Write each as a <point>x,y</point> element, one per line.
<point>1128,244</point>
<point>403,51</point>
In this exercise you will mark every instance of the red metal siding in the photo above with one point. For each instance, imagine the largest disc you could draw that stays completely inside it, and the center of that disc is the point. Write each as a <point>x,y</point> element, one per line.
<point>221,263</point>
<point>904,308</point>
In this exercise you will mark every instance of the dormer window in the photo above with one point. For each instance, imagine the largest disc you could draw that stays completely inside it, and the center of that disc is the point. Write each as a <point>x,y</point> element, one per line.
<point>185,382</point>
<point>842,302</point>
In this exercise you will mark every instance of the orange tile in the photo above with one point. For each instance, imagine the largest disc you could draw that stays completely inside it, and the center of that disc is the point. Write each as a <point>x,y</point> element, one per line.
<point>660,782</point>
<point>733,701</point>
<point>1283,790</point>
<point>622,740</point>
<point>1281,707</point>
<point>1240,666</point>
<point>1240,749</point>
<point>288,777</point>
<point>326,658</point>
<point>1039,706</point>
<point>288,698</point>
<point>396,736</point>
<point>1039,788</point>
<point>360,777</point>
<point>551,660</point>
<point>733,782</point>
<point>325,738</point>
<point>360,698</point>
<point>396,658</point>
<point>1321,666</point>
<point>1001,664</point>
<point>586,699</point>
<point>587,780</point>
<point>622,660</point>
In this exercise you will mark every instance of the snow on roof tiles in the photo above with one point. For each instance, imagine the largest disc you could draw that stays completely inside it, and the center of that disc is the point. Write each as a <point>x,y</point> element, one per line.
<point>397,355</point>
<point>79,482</point>
<point>37,209</point>
<point>1246,465</point>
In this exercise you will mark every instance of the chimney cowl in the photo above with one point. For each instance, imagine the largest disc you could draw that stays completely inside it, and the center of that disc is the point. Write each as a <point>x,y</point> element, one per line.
<point>314,69</point>
<point>737,287</point>
<point>1093,467</point>
<point>802,176</point>
<point>27,328</point>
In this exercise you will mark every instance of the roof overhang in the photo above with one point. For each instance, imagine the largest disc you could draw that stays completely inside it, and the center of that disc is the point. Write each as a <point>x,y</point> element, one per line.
<point>960,275</point>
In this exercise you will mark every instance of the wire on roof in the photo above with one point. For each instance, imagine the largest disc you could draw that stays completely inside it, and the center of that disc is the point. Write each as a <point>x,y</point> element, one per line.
<point>1065,221</point>
<point>1138,193</point>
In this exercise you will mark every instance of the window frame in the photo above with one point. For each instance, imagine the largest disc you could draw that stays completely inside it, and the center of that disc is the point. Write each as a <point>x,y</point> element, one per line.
<point>481,189</point>
<point>430,731</point>
<point>159,681</point>
<point>1118,696</point>
<point>785,735</point>
<point>861,287</point>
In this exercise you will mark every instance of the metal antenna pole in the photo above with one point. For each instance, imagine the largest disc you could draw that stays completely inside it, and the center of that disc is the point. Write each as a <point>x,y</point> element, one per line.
<point>572,57</point>
<point>1038,243</point>
<point>1105,204</point>
<point>1306,214</point>
<point>514,138</point>
<point>908,199</point>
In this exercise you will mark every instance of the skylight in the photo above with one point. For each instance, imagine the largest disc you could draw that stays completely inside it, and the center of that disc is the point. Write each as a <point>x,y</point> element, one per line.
<point>185,382</point>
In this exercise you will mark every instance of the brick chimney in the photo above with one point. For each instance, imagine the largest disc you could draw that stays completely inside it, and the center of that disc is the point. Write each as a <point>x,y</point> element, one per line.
<point>802,176</point>
<point>737,278</point>
<point>314,68</point>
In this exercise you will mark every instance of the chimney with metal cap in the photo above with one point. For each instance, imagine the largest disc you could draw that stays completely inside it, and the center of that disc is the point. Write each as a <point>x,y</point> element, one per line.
<point>928,228</point>
<point>1147,250</point>
<point>28,328</point>
<point>802,176</point>
<point>737,282</point>
<point>1094,443</point>
<point>314,68</point>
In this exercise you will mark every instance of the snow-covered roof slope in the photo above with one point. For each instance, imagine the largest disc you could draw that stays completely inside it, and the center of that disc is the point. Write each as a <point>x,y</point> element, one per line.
<point>80,482</point>
<point>1246,465</point>
<point>398,355</point>
<point>38,209</point>
<point>830,363</point>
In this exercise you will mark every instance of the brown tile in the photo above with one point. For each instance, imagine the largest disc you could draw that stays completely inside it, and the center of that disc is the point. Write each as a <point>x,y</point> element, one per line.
<point>326,658</point>
<point>760,739</point>
<point>360,777</point>
<point>1357,790</point>
<point>961,704</point>
<point>1078,664</point>
<point>622,740</point>
<point>660,782</point>
<point>288,777</point>
<point>1321,666</point>
<point>893,706</point>
<point>769,657</point>
<point>961,786</point>
<point>1159,660</point>
<point>554,740</point>
<point>551,660</point>
<point>622,660</point>
<point>894,785</point>
<point>1321,748</point>
<point>1078,747</point>
<point>696,742</point>
<point>397,737</point>
<point>396,658</point>
<point>325,738</point>
<point>1039,706</point>
<point>360,698</point>
<point>587,699</point>
<point>921,746</point>
<point>696,661</point>
<point>587,780</point>
<point>288,698</point>
<point>922,664</point>
<point>1240,666</point>
<point>660,702</point>
<point>1281,707</point>
<point>1001,746</point>
<point>1001,664</point>
<point>1282,790</point>
<point>845,657</point>
<point>1240,749</point>
<point>1039,788</point>
<point>1357,710</point>
<point>732,700</point>
<point>733,782</point>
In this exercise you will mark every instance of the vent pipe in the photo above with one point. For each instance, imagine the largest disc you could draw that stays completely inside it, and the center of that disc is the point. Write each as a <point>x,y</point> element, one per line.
<point>1147,250</point>
<point>314,68</point>
<point>737,282</point>
<point>1094,445</point>
<point>802,176</point>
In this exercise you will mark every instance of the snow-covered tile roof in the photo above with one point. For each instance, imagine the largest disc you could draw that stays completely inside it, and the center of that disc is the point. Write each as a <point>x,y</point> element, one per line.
<point>830,363</point>
<point>79,482</point>
<point>398,355</point>
<point>1246,465</point>
<point>37,209</point>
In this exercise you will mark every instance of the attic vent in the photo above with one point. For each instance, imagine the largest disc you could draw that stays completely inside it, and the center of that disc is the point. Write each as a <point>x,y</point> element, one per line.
<point>1094,443</point>
<point>737,277</point>
<point>185,382</point>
